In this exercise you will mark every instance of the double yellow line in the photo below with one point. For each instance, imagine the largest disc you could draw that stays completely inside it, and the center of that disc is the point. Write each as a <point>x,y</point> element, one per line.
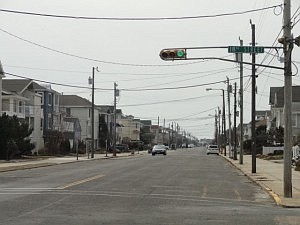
<point>80,182</point>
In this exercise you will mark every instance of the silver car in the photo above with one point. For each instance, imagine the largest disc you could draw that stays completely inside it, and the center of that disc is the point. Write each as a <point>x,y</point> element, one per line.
<point>159,149</point>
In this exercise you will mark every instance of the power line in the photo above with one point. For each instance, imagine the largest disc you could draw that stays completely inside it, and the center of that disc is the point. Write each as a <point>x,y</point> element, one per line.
<point>139,18</point>
<point>91,59</point>
<point>169,101</point>
<point>124,89</point>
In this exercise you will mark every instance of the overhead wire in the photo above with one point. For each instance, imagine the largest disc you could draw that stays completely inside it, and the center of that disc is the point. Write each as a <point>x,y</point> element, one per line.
<point>95,60</point>
<point>122,89</point>
<point>138,18</point>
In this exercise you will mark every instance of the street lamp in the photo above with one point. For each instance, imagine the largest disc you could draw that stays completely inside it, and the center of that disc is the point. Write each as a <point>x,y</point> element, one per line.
<point>223,117</point>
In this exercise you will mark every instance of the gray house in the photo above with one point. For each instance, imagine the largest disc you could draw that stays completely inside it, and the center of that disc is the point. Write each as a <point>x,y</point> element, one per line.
<point>77,107</point>
<point>276,102</point>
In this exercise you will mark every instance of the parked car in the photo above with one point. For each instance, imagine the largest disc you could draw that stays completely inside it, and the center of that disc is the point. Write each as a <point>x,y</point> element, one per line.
<point>121,147</point>
<point>159,149</point>
<point>212,149</point>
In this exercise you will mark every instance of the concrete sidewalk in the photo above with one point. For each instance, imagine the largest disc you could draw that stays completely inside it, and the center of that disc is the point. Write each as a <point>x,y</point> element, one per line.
<point>269,175</point>
<point>19,164</point>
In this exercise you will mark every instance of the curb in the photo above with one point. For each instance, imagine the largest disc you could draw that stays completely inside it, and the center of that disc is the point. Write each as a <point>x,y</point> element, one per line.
<point>46,164</point>
<point>268,190</point>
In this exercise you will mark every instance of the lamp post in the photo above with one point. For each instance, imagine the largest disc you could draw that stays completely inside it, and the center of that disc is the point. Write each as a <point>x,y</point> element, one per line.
<point>223,116</point>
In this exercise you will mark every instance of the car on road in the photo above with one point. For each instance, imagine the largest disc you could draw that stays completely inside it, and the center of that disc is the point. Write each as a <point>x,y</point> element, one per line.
<point>159,149</point>
<point>212,149</point>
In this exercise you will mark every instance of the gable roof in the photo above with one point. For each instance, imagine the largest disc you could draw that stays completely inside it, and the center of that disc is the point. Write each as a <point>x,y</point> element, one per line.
<point>74,100</point>
<point>16,85</point>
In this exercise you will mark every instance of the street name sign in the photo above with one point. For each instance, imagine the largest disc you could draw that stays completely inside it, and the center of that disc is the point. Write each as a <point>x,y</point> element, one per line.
<point>246,49</point>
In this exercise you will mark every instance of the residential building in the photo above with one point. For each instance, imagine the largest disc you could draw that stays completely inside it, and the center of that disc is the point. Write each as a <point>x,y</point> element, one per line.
<point>52,119</point>
<point>128,129</point>
<point>276,101</point>
<point>20,99</point>
<point>77,107</point>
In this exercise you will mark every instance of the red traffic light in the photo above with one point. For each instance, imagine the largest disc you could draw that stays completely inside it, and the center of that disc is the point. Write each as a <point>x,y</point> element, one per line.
<point>172,54</point>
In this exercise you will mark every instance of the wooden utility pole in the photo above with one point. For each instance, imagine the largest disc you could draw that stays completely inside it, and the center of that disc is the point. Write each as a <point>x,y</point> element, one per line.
<point>93,113</point>
<point>241,106</point>
<point>234,126</point>
<point>229,117</point>
<point>253,131</point>
<point>115,120</point>
<point>287,48</point>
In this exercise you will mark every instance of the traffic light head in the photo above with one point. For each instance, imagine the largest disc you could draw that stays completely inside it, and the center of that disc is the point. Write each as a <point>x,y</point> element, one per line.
<point>172,54</point>
<point>297,41</point>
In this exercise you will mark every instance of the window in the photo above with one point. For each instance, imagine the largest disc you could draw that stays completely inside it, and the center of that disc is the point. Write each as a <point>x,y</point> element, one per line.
<point>21,107</point>
<point>42,98</point>
<point>15,106</point>
<point>50,100</point>
<point>294,120</point>
<point>42,124</point>
<point>5,105</point>
<point>68,111</point>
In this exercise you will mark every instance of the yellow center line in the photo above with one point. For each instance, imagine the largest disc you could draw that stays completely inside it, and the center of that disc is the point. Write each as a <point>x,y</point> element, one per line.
<point>80,182</point>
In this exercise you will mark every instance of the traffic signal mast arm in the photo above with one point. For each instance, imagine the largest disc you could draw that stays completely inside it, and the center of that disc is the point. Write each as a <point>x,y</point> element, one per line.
<point>171,54</point>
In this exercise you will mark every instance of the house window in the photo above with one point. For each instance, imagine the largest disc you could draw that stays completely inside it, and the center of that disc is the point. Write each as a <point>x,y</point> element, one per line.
<point>294,120</point>
<point>68,111</point>
<point>42,124</point>
<point>42,98</point>
<point>21,108</point>
<point>5,105</point>
<point>15,106</point>
<point>50,100</point>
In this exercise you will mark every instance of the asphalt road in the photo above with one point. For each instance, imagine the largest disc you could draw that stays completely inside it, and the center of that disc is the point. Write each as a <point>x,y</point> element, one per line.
<point>184,187</point>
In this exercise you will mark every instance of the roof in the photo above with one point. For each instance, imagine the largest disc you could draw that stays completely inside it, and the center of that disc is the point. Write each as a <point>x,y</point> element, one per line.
<point>278,94</point>
<point>19,85</point>
<point>16,85</point>
<point>73,100</point>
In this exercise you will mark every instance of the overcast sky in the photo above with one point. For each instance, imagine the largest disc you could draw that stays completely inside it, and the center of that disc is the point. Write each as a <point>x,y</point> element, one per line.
<point>127,52</point>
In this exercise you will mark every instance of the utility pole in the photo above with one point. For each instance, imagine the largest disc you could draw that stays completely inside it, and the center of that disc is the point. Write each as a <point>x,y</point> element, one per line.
<point>219,124</point>
<point>1,76</point>
<point>224,123</point>
<point>216,128</point>
<point>115,120</point>
<point>92,82</point>
<point>163,132</point>
<point>234,125</point>
<point>241,106</point>
<point>253,131</point>
<point>287,48</point>
<point>229,116</point>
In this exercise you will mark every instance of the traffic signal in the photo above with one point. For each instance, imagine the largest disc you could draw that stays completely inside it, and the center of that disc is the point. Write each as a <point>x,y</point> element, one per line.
<point>172,54</point>
<point>297,41</point>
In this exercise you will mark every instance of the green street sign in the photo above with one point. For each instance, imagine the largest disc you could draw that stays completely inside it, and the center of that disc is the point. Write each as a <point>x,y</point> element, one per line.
<point>246,49</point>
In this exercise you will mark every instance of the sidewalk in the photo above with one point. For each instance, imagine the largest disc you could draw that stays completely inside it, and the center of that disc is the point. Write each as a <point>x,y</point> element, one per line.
<point>269,175</point>
<point>19,164</point>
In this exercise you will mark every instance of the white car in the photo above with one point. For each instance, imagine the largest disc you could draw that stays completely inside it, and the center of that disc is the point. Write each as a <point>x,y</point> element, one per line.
<point>212,149</point>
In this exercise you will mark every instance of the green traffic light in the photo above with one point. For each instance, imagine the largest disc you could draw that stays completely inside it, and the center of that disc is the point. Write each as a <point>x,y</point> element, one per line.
<point>180,53</point>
